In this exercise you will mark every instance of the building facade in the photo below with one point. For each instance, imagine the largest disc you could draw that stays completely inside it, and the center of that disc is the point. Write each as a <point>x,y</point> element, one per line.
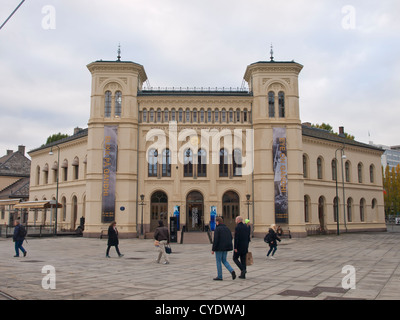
<point>150,153</point>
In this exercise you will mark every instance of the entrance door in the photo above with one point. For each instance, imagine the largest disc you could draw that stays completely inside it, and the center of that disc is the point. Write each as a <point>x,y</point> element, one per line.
<point>230,209</point>
<point>195,211</point>
<point>159,209</point>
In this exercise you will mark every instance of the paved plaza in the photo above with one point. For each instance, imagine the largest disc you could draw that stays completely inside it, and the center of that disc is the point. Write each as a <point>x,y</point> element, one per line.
<point>308,268</point>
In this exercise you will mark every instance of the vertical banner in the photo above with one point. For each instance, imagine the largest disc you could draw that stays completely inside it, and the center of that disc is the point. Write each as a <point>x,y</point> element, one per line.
<point>109,173</point>
<point>213,215</point>
<point>280,175</point>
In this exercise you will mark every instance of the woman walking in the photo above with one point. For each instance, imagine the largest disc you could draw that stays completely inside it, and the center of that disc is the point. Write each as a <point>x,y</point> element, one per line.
<point>113,239</point>
<point>161,234</point>
<point>271,238</point>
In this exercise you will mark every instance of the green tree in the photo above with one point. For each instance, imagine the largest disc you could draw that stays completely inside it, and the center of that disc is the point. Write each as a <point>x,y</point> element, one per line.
<point>55,137</point>
<point>329,128</point>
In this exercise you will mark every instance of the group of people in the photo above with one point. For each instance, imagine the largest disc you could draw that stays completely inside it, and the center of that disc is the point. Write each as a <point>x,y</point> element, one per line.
<point>222,244</point>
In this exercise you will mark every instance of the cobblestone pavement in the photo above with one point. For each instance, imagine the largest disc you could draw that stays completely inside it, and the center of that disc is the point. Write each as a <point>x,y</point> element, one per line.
<point>308,268</point>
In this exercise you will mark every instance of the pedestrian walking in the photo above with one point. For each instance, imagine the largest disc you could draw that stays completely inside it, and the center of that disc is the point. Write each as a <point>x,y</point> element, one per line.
<point>271,237</point>
<point>19,237</point>
<point>221,245</point>
<point>161,234</point>
<point>241,246</point>
<point>113,239</point>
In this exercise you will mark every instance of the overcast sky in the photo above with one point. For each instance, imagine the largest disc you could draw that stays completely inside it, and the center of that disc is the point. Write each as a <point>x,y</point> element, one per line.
<point>350,51</point>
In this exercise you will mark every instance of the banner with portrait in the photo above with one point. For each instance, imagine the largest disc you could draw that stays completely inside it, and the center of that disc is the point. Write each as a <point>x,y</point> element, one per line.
<point>109,173</point>
<point>280,175</point>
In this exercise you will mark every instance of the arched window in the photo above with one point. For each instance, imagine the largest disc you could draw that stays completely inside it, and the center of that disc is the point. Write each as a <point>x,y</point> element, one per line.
<point>166,163</point>
<point>118,103</point>
<point>202,115</point>
<point>202,163</point>
<point>362,209</point>
<point>209,116</point>
<point>166,115</point>
<point>360,172</point>
<point>334,169</point>
<point>107,104</point>
<point>180,115</point>
<point>151,115</point>
<point>271,104</point>
<point>237,163</point>
<point>371,173</point>
<point>223,116</point>
<point>173,115</point>
<point>152,162</point>
<point>216,116</point>
<point>145,115</point>
<point>238,115</point>
<point>187,115</point>
<point>305,166</point>
<point>64,208</point>
<point>230,116</point>
<point>188,163</point>
<point>347,171</point>
<point>349,209</point>
<point>158,209</point>
<point>223,163</point>
<point>245,115</point>
<point>319,168</point>
<point>230,209</point>
<point>159,115</point>
<point>281,97</point>
<point>335,209</point>
<point>195,116</point>
<point>306,208</point>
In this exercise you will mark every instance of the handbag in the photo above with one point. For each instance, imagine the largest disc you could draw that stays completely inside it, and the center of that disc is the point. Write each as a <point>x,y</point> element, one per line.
<point>249,259</point>
<point>168,249</point>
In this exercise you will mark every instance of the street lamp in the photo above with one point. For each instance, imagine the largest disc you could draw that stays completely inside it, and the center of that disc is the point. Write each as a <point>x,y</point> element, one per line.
<point>248,203</point>
<point>58,173</point>
<point>343,156</point>
<point>141,204</point>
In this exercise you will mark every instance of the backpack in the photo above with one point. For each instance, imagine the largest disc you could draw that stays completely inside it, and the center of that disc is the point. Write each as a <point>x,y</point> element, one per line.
<point>267,238</point>
<point>22,231</point>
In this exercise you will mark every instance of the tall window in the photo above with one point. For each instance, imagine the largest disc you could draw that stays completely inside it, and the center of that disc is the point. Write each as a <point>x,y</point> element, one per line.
<point>195,116</point>
<point>245,115</point>
<point>360,167</point>
<point>237,163</point>
<point>230,116</point>
<point>209,116</point>
<point>188,163</point>
<point>237,115</point>
<point>202,163</point>
<point>180,115</point>
<point>166,163</point>
<point>305,169</point>
<point>202,115</point>
<point>216,116</point>
<point>271,104</point>
<point>347,171</point>
<point>187,116</point>
<point>281,96</point>
<point>334,170</point>
<point>118,103</point>
<point>350,209</point>
<point>362,210</point>
<point>173,116</point>
<point>151,115</point>
<point>166,115</point>
<point>223,116</point>
<point>107,105</point>
<point>371,173</point>
<point>145,115</point>
<point>158,115</point>
<point>152,161</point>
<point>306,209</point>
<point>319,168</point>
<point>223,163</point>
<point>335,209</point>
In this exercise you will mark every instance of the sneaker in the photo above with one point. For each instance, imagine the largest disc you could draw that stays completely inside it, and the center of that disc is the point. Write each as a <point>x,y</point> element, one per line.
<point>166,262</point>
<point>107,256</point>
<point>121,255</point>
<point>233,275</point>
<point>217,279</point>
<point>272,257</point>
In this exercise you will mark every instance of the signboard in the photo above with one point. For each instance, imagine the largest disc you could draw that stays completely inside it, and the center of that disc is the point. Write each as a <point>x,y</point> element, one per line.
<point>109,173</point>
<point>280,175</point>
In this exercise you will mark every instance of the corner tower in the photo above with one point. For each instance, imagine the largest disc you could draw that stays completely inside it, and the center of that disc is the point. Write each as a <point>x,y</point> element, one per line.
<point>111,190</point>
<point>278,172</point>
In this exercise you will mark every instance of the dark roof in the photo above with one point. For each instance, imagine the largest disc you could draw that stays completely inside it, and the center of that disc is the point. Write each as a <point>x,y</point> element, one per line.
<point>274,62</point>
<point>228,92</point>
<point>78,135</point>
<point>326,135</point>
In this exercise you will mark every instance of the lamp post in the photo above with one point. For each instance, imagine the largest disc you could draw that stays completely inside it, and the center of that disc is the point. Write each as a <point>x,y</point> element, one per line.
<point>343,156</point>
<point>58,173</point>
<point>248,203</point>
<point>141,204</point>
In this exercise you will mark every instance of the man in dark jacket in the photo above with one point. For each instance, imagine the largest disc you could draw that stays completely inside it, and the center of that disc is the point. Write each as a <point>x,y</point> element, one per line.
<point>221,245</point>
<point>161,234</point>
<point>241,245</point>
<point>18,238</point>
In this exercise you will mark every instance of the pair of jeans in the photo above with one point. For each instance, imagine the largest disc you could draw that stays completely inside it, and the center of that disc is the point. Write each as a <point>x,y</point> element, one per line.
<point>18,246</point>
<point>220,257</point>
<point>271,249</point>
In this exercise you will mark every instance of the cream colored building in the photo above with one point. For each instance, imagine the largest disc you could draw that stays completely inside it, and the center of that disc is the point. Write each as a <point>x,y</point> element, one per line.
<point>244,151</point>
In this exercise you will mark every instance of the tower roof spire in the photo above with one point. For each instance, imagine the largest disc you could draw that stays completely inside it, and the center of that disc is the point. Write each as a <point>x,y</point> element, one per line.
<point>119,53</point>
<point>272,53</point>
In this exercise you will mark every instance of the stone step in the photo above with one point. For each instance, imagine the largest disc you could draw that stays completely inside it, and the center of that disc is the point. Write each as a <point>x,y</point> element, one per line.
<point>196,238</point>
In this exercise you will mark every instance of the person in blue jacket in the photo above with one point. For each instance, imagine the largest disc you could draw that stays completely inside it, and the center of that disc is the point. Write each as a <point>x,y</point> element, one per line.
<point>18,238</point>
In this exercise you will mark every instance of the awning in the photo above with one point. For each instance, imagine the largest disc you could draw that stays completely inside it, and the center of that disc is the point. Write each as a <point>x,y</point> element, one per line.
<point>9,202</point>
<point>37,205</point>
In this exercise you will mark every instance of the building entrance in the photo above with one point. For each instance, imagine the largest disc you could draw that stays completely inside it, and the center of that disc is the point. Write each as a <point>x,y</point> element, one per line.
<point>158,210</point>
<point>195,211</point>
